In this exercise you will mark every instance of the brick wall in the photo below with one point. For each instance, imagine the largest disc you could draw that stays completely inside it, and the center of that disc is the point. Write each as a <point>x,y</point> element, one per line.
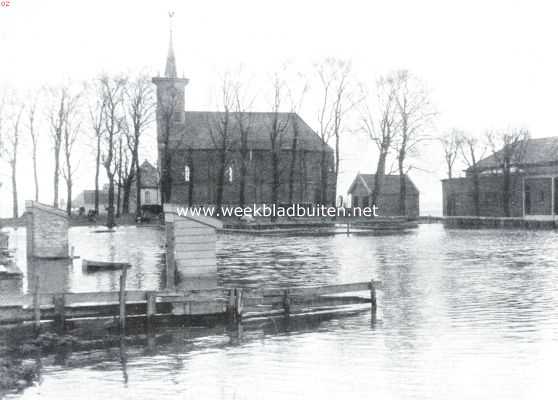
<point>204,171</point>
<point>47,231</point>
<point>458,198</point>
<point>388,204</point>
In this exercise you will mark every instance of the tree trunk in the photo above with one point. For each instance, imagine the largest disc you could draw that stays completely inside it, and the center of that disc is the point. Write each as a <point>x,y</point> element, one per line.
<point>69,184</point>
<point>97,171</point>
<point>506,195</point>
<point>56,174</point>
<point>138,188</point>
<point>293,161</point>
<point>379,179</point>
<point>323,175</point>
<point>402,185</point>
<point>110,214</point>
<point>476,193</point>
<point>35,174</point>
<point>275,180</point>
<point>15,208</point>
<point>221,178</point>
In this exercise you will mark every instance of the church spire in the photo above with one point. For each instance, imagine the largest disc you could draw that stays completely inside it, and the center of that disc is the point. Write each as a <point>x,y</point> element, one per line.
<point>170,68</point>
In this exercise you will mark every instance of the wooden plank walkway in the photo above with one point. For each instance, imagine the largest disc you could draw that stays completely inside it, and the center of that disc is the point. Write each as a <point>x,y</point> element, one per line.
<point>233,304</point>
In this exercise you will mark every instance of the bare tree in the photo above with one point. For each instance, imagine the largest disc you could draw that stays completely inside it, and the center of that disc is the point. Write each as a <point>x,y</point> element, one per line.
<point>451,141</point>
<point>221,134</point>
<point>96,114</point>
<point>508,149</point>
<point>244,121</point>
<point>34,135</point>
<point>334,77</point>
<point>167,107</point>
<point>140,105</point>
<point>10,141</point>
<point>297,95</point>
<point>415,113</point>
<point>472,151</point>
<point>277,128</point>
<point>379,122</point>
<point>112,92</point>
<point>63,103</point>
<point>70,135</point>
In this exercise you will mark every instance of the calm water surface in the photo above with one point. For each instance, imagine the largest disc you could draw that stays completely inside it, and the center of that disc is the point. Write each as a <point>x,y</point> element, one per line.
<point>462,315</point>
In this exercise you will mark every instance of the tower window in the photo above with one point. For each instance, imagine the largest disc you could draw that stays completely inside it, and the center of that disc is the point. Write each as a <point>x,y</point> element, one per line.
<point>230,174</point>
<point>187,173</point>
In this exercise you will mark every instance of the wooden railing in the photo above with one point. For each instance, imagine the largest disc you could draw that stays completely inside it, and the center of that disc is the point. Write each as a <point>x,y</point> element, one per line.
<point>235,304</point>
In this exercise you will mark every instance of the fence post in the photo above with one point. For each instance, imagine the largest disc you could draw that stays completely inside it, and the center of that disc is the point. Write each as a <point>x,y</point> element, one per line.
<point>122,300</point>
<point>36,303</point>
<point>286,302</point>
<point>151,307</point>
<point>59,304</point>
<point>238,304</point>
<point>231,306</point>
<point>373,305</point>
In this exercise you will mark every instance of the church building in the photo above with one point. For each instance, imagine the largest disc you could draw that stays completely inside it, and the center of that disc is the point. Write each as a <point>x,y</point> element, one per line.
<point>237,158</point>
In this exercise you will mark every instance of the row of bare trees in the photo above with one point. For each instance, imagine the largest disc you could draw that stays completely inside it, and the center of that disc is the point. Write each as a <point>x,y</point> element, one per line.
<point>111,113</point>
<point>506,148</point>
<point>397,115</point>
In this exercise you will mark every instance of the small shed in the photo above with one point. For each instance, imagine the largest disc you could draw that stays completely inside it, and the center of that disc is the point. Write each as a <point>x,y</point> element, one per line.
<point>191,249</point>
<point>388,201</point>
<point>47,231</point>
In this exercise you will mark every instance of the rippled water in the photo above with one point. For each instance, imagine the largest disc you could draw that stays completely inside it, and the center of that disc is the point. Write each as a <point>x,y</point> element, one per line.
<point>463,314</point>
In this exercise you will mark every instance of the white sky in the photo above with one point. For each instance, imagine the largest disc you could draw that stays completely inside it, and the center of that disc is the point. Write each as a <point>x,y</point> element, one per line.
<point>489,64</point>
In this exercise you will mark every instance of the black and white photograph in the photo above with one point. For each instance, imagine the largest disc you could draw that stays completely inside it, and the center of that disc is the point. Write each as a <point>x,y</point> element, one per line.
<point>278,200</point>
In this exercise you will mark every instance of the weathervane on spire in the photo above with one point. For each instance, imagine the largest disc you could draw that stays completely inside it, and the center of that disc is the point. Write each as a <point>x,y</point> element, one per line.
<point>170,70</point>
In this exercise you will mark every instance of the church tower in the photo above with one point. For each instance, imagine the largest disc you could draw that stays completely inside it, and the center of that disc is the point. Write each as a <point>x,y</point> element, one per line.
<point>170,94</point>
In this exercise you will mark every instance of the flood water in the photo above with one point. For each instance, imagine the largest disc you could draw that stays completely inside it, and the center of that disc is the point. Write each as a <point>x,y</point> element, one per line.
<point>462,314</point>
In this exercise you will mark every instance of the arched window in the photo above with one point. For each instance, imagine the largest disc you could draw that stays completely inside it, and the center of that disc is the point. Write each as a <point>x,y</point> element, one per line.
<point>187,173</point>
<point>230,174</point>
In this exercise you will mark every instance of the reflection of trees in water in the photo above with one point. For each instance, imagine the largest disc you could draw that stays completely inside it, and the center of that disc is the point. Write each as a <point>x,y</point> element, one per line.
<point>276,261</point>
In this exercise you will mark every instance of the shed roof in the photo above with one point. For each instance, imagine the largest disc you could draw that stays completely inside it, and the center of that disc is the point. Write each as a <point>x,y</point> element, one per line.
<point>390,185</point>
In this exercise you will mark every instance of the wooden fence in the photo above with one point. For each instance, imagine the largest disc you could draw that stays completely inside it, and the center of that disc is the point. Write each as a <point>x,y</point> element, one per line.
<point>234,304</point>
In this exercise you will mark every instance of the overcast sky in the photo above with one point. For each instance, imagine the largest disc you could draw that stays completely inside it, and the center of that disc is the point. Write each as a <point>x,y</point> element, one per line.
<point>488,64</point>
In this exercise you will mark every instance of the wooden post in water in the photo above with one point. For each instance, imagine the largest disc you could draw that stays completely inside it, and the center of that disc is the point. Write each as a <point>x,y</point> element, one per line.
<point>238,304</point>
<point>231,306</point>
<point>171,262</point>
<point>151,307</point>
<point>286,302</point>
<point>36,304</point>
<point>59,304</point>
<point>348,228</point>
<point>373,306</point>
<point>122,300</point>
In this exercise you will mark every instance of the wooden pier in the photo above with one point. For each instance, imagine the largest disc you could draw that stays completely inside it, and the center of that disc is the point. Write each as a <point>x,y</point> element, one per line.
<point>233,304</point>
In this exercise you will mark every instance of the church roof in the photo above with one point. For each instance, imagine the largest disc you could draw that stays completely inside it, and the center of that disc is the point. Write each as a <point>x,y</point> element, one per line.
<point>202,128</point>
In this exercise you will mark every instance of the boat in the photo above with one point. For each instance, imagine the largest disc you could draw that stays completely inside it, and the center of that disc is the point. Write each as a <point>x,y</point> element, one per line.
<point>94,266</point>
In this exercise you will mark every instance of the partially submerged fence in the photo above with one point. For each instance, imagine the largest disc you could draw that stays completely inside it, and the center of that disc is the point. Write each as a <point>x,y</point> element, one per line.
<point>233,304</point>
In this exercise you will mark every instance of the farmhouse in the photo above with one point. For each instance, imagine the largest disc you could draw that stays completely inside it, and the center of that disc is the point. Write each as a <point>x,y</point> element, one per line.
<point>230,156</point>
<point>388,202</point>
<point>532,185</point>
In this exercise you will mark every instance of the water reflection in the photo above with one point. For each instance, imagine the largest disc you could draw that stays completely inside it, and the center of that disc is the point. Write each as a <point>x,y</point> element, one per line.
<point>461,315</point>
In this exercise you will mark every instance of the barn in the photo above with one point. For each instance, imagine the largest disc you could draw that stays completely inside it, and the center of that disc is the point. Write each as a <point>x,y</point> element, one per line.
<point>388,202</point>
